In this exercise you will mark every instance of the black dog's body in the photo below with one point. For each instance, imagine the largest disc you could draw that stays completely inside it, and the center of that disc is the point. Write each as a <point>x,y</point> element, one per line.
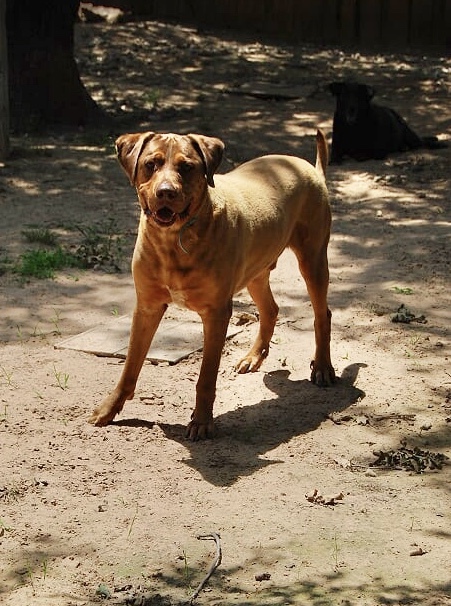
<point>364,130</point>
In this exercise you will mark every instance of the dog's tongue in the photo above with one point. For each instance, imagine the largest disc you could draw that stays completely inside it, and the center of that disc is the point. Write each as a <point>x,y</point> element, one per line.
<point>165,216</point>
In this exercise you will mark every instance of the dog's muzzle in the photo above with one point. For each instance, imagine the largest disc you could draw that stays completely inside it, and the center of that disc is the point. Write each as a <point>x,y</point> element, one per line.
<point>165,216</point>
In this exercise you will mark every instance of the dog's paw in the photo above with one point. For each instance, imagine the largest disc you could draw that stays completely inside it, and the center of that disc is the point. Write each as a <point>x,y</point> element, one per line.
<point>200,431</point>
<point>323,377</point>
<point>101,417</point>
<point>244,366</point>
<point>251,362</point>
<point>110,407</point>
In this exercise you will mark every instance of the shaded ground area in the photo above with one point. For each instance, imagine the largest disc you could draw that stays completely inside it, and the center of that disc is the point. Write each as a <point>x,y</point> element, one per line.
<point>90,515</point>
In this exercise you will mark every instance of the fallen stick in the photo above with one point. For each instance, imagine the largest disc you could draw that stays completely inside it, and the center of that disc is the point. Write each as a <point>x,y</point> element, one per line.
<point>216,562</point>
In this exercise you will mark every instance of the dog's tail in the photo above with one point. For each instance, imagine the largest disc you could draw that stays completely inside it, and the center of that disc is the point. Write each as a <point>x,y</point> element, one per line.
<point>322,153</point>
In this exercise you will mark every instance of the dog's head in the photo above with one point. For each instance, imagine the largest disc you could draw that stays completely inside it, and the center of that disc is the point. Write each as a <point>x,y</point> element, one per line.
<point>353,100</point>
<point>170,172</point>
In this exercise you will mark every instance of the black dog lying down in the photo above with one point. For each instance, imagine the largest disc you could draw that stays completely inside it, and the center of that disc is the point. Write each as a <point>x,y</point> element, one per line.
<point>364,130</point>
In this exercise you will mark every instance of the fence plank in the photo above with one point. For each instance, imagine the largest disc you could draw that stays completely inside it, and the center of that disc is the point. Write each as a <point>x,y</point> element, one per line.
<point>330,28</point>
<point>370,26</point>
<point>395,25</point>
<point>440,23</point>
<point>447,24</point>
<point>4,102</point>
<point>420,28</point>
<point>347,22</point>
<point>308,14</point>
<point>287,22</point>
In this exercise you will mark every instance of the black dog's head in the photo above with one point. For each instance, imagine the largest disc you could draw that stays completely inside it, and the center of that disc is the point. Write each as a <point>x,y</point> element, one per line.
<point>353,100</point>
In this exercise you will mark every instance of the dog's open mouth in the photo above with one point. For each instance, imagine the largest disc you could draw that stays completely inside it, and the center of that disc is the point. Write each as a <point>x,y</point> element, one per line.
<point>165,216</point>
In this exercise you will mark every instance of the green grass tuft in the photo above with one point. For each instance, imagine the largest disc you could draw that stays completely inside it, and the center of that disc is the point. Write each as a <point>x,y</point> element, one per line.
<point>44,263</point>
<point>40,235</point>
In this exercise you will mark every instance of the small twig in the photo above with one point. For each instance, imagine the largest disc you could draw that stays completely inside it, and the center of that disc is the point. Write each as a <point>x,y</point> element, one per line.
<point>216,562</point>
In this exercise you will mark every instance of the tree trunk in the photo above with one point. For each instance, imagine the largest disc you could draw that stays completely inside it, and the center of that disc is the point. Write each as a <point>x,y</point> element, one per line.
<point>4,104</point>
<point>45,86</point>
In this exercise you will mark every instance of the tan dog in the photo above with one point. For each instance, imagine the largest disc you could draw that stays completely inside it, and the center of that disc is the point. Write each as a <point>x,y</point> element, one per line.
<point>200,241</point>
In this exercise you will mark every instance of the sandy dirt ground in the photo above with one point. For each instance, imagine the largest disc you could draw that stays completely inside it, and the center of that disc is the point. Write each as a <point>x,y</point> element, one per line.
<point>91,515</point>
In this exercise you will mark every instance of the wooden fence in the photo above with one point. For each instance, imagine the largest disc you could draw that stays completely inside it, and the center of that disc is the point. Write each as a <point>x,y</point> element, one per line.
<point>383,24</point>
<point>4,101</point>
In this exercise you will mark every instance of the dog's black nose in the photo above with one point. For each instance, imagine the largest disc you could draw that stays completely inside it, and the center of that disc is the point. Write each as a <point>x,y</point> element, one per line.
<point>166,191</point>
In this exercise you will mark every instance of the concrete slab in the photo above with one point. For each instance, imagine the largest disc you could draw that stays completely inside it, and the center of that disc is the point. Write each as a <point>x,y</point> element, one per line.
<point>173,341</point>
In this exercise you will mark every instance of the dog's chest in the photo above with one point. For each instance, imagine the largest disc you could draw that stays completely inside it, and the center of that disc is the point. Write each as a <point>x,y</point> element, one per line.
<point>180,281</point>
<point>183,278</point>
<point>177,296</point>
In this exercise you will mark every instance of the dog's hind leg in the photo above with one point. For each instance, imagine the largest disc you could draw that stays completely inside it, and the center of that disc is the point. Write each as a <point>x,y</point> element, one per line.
<point>315,271</point>
<point>260,291</point>
<point>409,138</point>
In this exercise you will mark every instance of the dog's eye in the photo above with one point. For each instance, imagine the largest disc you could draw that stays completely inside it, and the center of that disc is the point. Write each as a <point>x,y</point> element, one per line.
<point>150,165</point>
<point>185,167</point>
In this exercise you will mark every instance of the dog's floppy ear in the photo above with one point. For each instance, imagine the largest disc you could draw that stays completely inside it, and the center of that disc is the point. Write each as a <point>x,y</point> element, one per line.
<point>129,149</point>
<point>335,88</point>
<point>210,150</point>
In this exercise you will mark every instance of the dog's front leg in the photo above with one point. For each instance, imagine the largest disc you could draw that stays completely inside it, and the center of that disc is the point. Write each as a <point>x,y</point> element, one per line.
<point>338,139</point>
<point>215,323</point>
<point>144,325</point>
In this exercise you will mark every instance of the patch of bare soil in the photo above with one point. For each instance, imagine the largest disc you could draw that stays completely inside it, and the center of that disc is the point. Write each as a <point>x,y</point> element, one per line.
<point>91,515</point>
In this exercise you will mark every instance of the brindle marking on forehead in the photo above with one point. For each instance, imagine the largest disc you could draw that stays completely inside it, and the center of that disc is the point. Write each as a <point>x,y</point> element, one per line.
<point>172,148</point>
<point>171,137</point>
<point>170,141</point>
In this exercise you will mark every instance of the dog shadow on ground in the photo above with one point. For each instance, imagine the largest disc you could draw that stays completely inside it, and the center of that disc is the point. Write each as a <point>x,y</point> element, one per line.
<point>248,433</point>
